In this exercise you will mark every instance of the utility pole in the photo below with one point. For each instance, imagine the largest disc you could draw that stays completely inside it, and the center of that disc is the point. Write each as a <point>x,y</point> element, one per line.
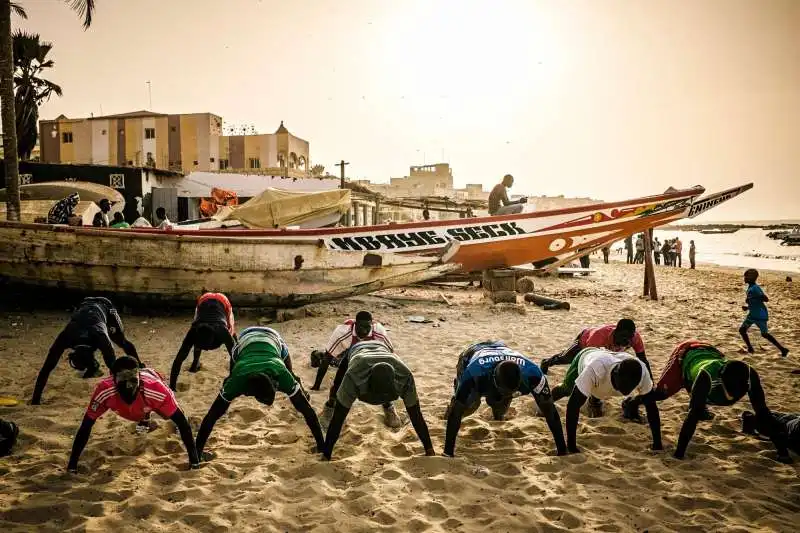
<point>150,94</point>
<point>341,165</point>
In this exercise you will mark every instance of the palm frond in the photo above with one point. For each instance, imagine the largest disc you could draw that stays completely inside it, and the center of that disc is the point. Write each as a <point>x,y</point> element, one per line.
<point>85,9</point>
<point>18,10</point>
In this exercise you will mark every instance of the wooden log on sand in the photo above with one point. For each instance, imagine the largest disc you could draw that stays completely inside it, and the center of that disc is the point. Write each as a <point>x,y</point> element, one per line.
<point>545,302</point>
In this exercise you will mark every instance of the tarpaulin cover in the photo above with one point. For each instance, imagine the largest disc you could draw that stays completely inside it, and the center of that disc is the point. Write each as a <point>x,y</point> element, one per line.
<point>277,208</point>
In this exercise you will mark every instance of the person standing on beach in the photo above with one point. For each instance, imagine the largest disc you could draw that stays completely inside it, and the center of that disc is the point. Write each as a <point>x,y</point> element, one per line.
<point>132,393</point>
<point>599,373</point>
<point>262,366</point>
<point>657,251</point>
<point>757,313</point>
<point>639,250</point>
<point>679,251</point>
<point>606,252</point>
<point>710,379</point>
<point>212,327</point>
<point>494,371</point>
<point>692,252</point>
<point>373,374</point>
<point>629,249</point>
<point>93,326</point>
<point>499,204</point>
<point>363,328</point>
<point>665,251</point>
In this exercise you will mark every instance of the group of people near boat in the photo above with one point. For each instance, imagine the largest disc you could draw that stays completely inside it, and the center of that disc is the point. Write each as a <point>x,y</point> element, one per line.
<point>368,369</point>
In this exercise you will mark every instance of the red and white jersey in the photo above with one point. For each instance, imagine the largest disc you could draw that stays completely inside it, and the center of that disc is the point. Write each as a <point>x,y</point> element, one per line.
<point>221,298</point>
<point>154,395</point>
<point>344,336</point>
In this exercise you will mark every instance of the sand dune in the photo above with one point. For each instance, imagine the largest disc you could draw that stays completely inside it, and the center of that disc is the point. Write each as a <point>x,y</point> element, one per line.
<point>506,476</point>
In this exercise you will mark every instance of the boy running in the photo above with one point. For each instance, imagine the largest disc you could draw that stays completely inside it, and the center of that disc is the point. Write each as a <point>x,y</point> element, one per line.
<point>757,313</point>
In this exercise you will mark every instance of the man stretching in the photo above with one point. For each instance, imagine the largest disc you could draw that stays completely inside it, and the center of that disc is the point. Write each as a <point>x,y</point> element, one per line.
<point>363,328</point>
<point>373,374</point>
<point>599,373</point>
<point>213,326</point>
<point>494,371</point>
<point>780,423</point>
<point>710,379</point>
<point>132,393</point>
<point>262,366</point>
<point>93,326</point>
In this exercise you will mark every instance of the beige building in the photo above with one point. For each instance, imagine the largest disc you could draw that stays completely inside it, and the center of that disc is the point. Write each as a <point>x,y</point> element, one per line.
<point>183,143</point>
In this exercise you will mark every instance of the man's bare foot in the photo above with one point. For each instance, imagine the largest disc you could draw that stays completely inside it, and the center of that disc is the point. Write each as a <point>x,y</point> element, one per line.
<point>392,419</point>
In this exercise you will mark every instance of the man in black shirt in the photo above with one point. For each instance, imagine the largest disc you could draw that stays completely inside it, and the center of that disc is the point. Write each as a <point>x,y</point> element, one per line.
<point>93,326</point>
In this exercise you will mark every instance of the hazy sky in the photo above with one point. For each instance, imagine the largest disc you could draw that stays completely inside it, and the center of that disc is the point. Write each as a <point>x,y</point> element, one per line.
<point>602,98</point>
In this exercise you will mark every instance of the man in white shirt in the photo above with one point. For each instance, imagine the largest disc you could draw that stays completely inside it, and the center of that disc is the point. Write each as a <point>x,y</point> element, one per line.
<point>599,373</point>
<point>363,328</point>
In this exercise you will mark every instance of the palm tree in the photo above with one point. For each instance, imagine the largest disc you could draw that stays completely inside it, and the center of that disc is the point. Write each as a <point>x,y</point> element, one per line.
<point>85,9</point>
<point>30,60</point>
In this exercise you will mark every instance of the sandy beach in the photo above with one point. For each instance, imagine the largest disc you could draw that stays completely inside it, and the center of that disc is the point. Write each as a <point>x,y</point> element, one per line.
<point>505,477</point>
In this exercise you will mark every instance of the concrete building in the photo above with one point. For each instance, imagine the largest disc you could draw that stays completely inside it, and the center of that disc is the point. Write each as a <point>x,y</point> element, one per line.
<point>181,143</point>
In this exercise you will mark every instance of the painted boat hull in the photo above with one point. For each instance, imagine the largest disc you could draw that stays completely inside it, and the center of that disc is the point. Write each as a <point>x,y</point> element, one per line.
<point>493,242</point>
<point>176,268</point>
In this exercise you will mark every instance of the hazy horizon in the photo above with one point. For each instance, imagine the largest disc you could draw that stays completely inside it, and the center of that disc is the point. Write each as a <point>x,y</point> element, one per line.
<point>609,99</point>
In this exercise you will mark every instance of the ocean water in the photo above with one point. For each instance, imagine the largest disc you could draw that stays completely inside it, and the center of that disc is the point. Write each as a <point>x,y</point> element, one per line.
<point>747,248</point>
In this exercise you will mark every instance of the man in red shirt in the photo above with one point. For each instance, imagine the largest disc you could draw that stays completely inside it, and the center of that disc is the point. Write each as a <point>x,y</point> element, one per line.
<point>132,393</point>
<point>613,338</point>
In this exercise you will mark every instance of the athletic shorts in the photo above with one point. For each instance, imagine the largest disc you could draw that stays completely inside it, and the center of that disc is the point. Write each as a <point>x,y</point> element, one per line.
<point>670,382</point>
<point>572,374</point>
<point>761,324</point>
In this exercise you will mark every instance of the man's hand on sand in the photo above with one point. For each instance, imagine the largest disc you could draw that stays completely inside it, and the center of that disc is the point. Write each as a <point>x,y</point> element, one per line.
<point>785,459</point>
<point>574,449</point>
<point>430,452</point>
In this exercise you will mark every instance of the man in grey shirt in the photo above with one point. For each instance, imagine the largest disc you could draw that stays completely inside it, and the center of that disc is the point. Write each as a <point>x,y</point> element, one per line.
<point>499,204</point>
<point>371,373</point>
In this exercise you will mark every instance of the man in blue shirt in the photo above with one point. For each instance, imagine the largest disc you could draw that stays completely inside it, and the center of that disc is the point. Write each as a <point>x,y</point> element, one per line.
<point>757,312</point>
<point>494,371</point>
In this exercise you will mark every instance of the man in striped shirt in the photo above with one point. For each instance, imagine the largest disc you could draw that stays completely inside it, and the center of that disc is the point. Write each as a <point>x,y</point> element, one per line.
<point>363,328</point>
<point>132,393</point>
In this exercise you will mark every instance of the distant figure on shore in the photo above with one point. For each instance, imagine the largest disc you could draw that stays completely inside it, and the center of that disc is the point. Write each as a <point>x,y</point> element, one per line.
<point>376,376</point>
<point>363,328</point>
<point>499,204</point>
<point>100,219</point>
<point>494,371</point>
<point>212,327</point>
<point>132,393</point>
<point>426,215</point>
<point>657,251</point>
<point>63,209</point>
<point>119,221</point>
<point>710,379</point>
<point>93,326</point>
<point>629,249</point>
<point>666,251</point>
<point>778,423</point>
<point>639,259</point>
<point>262,366</point>
<point>692,252</point>
<point>606,252</point>
<point>757,313</point>
<point>678,252</point>
<point>162,220</point>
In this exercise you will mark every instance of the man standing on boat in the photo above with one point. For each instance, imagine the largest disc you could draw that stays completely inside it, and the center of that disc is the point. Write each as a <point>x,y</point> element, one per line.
<point>363,328</point>
<point>499,204</point>
<point>93,326</point>
<point>213,326</point>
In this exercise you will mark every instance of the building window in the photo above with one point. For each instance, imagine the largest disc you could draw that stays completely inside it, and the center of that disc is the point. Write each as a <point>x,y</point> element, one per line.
<point>173,128</point>
<point>224,164</point>
<point>116,181</point>
<point>194,163</point>
<point>103,132</point>
<point>149,133</point>
<point>25,179</point>
<point>212,159</point>
<point>255,162</point>
<point>66,137</point>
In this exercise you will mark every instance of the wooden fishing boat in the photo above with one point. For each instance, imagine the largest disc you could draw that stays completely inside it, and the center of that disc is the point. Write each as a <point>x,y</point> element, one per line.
<point>718,231</point>
<point>494,241</point>
<point>697,207</point>
<point>252,271</point>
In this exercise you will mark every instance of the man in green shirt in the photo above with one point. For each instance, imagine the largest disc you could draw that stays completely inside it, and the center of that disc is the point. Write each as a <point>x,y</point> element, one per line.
<point>261,366</point>
<point>373,374</point>
<point>710,379</point>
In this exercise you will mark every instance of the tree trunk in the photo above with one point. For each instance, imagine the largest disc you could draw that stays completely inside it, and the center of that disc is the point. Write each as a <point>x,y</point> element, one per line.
<point>11,159</point>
